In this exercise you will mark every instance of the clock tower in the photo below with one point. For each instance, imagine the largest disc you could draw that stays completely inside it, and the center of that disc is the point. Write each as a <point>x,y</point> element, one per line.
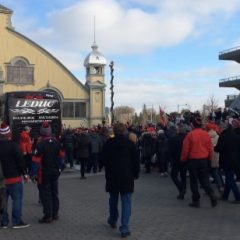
<point>95,64</point>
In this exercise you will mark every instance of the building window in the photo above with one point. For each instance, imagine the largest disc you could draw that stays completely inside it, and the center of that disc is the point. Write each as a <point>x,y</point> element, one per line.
<point>68,109</point>
<point>74,110</point>
<point>80,109</point>
<point>19,71</point>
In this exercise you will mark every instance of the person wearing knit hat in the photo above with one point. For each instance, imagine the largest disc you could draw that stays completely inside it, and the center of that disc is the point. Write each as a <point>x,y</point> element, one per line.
<point>45,130</point>
<point>5,131</point>
<point>47,166</point>
<point>13,168</point>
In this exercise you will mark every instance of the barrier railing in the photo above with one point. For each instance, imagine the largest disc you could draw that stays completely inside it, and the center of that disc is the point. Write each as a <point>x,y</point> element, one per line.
<point>230,79</point>
<point>229,50</point>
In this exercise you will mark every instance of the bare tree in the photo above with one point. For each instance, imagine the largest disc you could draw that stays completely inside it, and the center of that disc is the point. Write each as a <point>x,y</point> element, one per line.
<point>124,114</point>
<point>210,106</point>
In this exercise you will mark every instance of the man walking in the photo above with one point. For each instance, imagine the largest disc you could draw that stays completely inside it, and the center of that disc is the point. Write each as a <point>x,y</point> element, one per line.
<point>121,168</point>
<point>197,151</point>
<point>13,167</point>
<point>83,145</point>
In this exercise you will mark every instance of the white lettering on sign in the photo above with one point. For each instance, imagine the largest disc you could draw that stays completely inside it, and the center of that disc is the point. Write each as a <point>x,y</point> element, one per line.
<point>35,103</point>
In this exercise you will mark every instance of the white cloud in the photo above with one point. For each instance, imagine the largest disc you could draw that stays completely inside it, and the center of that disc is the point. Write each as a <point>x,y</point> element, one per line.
<point>127,28</point>
<point>122,30</point>
<point>172,89</point>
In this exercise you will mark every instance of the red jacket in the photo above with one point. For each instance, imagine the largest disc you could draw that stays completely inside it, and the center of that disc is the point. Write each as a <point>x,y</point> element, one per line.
<point>25,143</point>
<point>197,145</point>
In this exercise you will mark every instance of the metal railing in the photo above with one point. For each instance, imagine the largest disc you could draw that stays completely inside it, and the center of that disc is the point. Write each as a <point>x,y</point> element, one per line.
<point>232,97</point>
<point>229,50</point>
<point>230,79</point>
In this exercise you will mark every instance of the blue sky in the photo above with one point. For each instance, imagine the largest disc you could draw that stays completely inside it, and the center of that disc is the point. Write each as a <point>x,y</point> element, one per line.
<point>165,51</point>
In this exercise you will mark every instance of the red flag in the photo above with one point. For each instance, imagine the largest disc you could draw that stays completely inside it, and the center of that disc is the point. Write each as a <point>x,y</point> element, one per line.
<point>162,117</point>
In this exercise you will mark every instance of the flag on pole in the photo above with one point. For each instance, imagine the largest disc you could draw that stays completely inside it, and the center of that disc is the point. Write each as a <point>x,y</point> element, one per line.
<point>162,117</point>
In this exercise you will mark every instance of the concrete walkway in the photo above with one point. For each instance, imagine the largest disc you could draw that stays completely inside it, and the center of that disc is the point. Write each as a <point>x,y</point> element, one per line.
<point>156,213</point>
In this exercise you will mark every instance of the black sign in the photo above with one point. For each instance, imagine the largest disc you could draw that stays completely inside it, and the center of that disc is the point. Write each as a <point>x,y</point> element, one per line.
<point>32,110</point>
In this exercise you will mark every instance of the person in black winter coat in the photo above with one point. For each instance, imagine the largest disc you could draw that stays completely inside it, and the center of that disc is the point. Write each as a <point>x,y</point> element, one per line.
<point>48,150</point>
<point>13,168</point>
<point>178,167</point>
<point>147,144</point>
<point>121,168</point>
<point>162,151</point>
<point>228,147</point>
<point>83,151</point>
<point>69,141</point>
<point>96,147</point>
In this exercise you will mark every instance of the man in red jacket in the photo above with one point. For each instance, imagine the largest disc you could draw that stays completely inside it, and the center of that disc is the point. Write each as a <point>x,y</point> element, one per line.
<point>25,144</point>
<point>197,151</point>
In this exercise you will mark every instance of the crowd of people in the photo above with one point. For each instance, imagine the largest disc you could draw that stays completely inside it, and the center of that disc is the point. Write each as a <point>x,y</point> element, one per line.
<point>206,150</point>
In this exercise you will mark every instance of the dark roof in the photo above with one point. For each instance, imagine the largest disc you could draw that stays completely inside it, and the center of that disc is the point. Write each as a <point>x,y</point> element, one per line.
<point>5,10</point>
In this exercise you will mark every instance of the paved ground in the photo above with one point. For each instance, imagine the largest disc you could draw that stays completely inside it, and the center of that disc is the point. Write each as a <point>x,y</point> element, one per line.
<point>157,214</point>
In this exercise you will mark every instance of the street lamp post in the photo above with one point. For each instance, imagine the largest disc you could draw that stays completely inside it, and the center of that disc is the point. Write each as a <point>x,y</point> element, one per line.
<point>112,92</point>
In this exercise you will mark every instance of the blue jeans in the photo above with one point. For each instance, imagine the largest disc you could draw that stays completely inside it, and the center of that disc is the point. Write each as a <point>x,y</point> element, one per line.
<point>126,210</point>
<point>230,184</point>
<point>15,191</point>
<point>217,177</point>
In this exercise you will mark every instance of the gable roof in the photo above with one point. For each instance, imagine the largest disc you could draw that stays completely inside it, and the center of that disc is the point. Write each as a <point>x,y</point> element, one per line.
<point>49,54</point>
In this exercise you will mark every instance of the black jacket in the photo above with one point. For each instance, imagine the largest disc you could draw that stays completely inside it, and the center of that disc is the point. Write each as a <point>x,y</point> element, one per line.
<point>12,160</point>
<point>162,148</point>
<point>83,145</point>
<point>121,165</point>
<point>49,151</point>
<point>228,147</point>
<point>68,140</point>
<point>175,147</point>
<point>147,144</point>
